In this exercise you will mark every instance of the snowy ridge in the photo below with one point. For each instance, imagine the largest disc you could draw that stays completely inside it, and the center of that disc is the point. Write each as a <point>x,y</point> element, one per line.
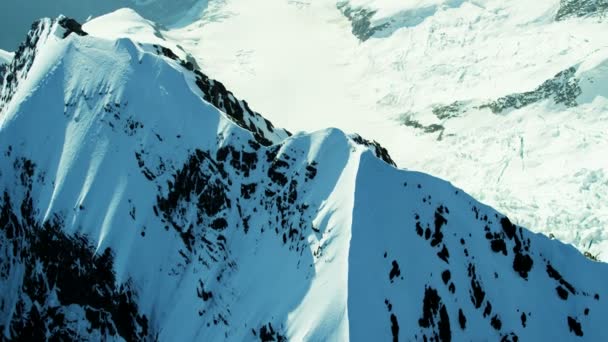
<point>137,204</point>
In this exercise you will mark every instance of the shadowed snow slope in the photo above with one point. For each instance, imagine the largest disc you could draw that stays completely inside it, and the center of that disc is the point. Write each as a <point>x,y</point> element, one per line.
<point>140,200</point>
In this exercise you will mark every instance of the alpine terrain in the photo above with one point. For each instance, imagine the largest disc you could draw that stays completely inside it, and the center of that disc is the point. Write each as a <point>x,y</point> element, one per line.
<point>505,98</point>
<point>140,199</point>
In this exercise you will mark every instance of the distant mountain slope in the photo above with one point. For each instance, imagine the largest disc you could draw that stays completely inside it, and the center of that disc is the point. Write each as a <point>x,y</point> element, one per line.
<point>142,200</point>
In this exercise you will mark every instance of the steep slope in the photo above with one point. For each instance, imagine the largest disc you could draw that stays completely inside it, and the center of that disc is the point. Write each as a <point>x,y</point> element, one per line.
<point>142,200</point>
<point>388,70</point>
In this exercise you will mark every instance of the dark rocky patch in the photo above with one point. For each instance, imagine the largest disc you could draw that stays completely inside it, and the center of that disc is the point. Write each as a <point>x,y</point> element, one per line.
<point>488,310</point>
<point>435,316</point>
<point>378,150</point>
<point>407,120</point>
<point>201,293</point>
<point>71,26</point>
<point>554,274</point>
<point>268,334</point>
<point>22,61</point>
<point>237,110</point>
<point>462,320</point>
<point>247,190</point>
<point>360,19</point>
<point>508,227</point>
<point>199,182</point>
<point>477,293</point>
<point>446,276</point>
<point>563,88</point>
<point>395,328</point>
<point>511,337</point>
<point>561,293</point>
<point>496,323</point>
<point>311,171</point>
<point>440,221</point>
<point>50,258</point>
<point>498,245</point>
<point>581,8</point>
<point>395,271</point>
<point>444,112</point>
<point>574,326</point>
<point>522,264</point>
<point>444,254</point>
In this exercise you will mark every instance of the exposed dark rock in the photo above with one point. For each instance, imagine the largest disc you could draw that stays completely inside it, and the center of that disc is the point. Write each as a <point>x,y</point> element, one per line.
<point>499,245</point>
<point>488,310</point>
<point>267,334</point>
<point>563,88</point>
<point>554,274</point>
<point>496,323</point>
<point>435,316</point>
<point>407,120</point>
<point>378,150</point>
<point>446,276</point>
<point>444,254</point>
<point>522,264</point>
<point>50,257</point>
<point>581,8</point>
<point>562,293</point>
<point>395,328</point>
<point>70,25</point>
<point>477,292</point>
<point>462,320</point>
<point>22,61</point>
<point>395,271</point>
<point>575,326</point>
<point>216,93</point>
<point>360,19</point>
<point>444,112</point>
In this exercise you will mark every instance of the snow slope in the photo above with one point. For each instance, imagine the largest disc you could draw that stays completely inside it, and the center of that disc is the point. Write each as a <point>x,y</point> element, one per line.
<point>388,70</point>
<point>142,200</point>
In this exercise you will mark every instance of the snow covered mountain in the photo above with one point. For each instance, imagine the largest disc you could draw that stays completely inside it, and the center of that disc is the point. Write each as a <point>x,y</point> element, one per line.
<point>143,200</point>
<point>507,99</point>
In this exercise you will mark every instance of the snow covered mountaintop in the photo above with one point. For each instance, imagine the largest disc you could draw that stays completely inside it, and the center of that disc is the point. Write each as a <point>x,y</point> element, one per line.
<point>422,83</point>
<point>141,200</point>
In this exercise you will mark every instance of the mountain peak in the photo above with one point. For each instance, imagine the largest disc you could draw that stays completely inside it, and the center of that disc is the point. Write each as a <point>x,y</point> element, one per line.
<point>142,199</point>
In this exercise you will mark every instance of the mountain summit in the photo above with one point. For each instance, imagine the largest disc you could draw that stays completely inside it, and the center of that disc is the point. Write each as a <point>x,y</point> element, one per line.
<point>142,200</point>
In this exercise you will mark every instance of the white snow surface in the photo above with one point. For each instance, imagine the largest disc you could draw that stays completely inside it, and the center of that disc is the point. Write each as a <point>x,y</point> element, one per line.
<point>347,252</point>
<point>542,164</point>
